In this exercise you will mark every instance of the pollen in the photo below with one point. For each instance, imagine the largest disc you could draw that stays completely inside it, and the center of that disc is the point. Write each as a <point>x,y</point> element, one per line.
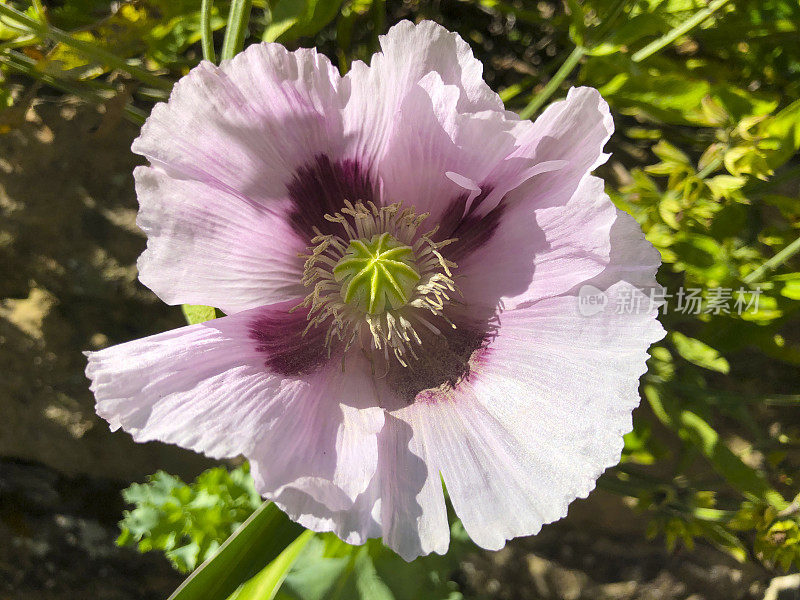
<point>379,281</point>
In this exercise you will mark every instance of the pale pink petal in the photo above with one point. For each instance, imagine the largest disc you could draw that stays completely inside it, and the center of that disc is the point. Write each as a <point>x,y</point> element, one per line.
<point>249,124</point>
<point>229,387</point>
<point>539,252</point>
<point>207,246</point>
<point>540,417</point>
<point>433,139</point>
<point>404,503</point>
<point>632,259</point>
<point>493,482</point>
<point>327,435</point>
<point>409,53</point>
<point>548,162</point>
<point>354,524</point>
<point>188,386</point>
<point>413,513</point>
<point>550,159</point>
<point>573,130</point>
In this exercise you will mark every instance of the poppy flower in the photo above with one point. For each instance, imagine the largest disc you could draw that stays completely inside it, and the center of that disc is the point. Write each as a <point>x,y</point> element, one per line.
<point>400,260</point>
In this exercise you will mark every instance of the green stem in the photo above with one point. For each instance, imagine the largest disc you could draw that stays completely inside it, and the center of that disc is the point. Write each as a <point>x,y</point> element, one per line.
<point>86,48</point>
<point>528,82</point>
<point>572,61</point>
<point>678,31</point>
<point>538,101</point>
<point>709,168</point>
<point>774,262</point>
<point>207,34</point>
<point>236,30</point>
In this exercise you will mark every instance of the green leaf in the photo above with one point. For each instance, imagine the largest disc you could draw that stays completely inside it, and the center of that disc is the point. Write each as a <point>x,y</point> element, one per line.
<point>722,186</point>
<point>330,569</point>
<point>730,466</point>
<point>187,522</point>
<point>790,285</point>
<point>726,541</point>
<point>699,353</point>
<point>266,584</point>
<point>769,142</point>
<point>669,153</point>
<point>639,444</point>
<point>197,313</point>
<point>64,61</point>
<point>291,19</point>
<point>701,256</point>
<point>784,129</point>
<point>635,28</point>
<point>259,541</point>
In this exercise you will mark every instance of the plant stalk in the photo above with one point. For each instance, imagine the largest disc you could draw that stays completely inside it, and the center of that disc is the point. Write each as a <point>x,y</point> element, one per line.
<point>236,30</point>
<point>206,32</point>
<point>538,101</point>
<point>774,262</point>
<point>678,31</point>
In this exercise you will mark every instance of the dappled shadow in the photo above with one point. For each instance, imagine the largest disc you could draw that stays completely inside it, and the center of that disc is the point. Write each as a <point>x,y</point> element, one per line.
<point>68,246</point>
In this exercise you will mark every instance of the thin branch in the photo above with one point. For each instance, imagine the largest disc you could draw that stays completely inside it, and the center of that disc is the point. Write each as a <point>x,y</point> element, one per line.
<point>678,31</point>
<point>538,101</point>
<point>774,262</point>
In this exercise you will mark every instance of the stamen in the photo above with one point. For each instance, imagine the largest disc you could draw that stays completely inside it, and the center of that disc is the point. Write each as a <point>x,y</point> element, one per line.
<point>380,277</point>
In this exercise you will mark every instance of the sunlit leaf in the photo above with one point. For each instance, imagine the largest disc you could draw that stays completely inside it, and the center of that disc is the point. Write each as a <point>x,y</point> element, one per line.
<point>265,585</point>
<point>291,19</point>
<point>256,543</point>
<point>699,353</point>
<point>197,313</point>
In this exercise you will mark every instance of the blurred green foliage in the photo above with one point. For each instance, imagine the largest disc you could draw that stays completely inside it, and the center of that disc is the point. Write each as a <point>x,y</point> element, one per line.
<point>706,100</point>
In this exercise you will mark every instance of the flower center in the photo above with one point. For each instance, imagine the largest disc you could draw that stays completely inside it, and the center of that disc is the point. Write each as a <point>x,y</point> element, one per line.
<point>378,281</point>
<point>377,272</point>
